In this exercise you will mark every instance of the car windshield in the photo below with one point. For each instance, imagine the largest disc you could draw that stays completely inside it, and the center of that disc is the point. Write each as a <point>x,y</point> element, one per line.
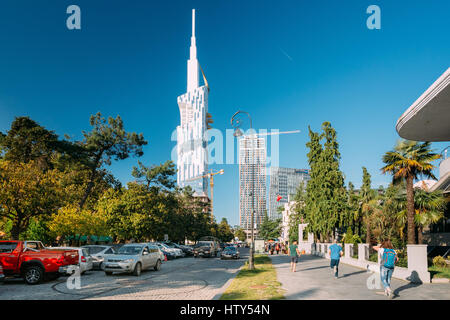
<point>131,250</point>
<point>7,247</point>
<point>230,249</point>
<point>94,250</point>
<point>202,244</point>
<point>170,245</point>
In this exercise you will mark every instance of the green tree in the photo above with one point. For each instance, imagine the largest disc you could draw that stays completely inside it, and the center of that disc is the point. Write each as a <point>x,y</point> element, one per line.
<point>429,207</point>
<point>26,192</point>
<point>408,161</point>
<point>158,176</point>
<point>240,234</point>
<point>298,213</point>
<point>108,141</point>
<point>368,204</point>
<point>390,223</point>
<point>225,234</point>
<point>326,201</point>
<point>354,218</point>
<point>270,229</point>
<point>70,221</point>
<point>28,141</point>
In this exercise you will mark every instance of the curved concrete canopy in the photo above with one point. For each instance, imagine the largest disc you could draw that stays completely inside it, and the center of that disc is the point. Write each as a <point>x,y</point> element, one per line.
<point>428,118</point>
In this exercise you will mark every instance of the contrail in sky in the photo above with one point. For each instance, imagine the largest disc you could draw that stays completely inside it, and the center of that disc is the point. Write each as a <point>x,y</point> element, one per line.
<point>285,53</point>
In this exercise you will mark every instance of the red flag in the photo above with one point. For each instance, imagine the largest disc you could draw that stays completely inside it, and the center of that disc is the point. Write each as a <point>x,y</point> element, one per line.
<point>279,198</point>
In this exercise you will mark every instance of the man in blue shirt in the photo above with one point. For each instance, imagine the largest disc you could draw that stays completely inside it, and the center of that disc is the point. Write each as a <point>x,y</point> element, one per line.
<point>335,252</point>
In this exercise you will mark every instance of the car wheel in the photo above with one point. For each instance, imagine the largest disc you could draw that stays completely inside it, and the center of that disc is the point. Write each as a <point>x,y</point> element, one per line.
<point>100,266</point>
<point>34,275</point>
<point>158,265</point>
<point>137,269</point>
<point>108,273</point>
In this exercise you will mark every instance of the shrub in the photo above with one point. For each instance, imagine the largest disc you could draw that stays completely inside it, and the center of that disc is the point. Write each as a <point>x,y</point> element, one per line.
<point>439,261</point>
<point>374,257</point>
<point>402,262</point>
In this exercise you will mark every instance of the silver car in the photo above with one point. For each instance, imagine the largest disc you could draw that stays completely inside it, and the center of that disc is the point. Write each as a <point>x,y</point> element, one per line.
<point>133,258</point>
<point>161,254</point>
<point>98,253</point>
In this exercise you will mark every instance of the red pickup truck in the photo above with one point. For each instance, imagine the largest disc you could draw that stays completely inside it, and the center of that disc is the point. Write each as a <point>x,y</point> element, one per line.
<point>32,261</point>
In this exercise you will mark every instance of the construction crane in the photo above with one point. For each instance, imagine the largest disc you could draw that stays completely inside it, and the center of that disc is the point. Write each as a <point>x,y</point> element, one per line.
<point>209,175</point>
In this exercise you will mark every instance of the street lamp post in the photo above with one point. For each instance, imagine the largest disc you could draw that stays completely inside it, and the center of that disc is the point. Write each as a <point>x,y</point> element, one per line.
<point>236,122</point>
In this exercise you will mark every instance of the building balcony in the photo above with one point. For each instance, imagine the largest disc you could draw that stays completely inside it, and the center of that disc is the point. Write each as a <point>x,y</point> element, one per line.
<point>428,118</point>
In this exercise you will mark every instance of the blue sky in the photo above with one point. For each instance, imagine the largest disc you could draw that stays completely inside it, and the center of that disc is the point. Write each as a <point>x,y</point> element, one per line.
<point>289,63</point>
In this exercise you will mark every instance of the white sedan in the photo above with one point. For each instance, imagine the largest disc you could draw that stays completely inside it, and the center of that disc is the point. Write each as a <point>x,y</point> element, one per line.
<point>84,259</point>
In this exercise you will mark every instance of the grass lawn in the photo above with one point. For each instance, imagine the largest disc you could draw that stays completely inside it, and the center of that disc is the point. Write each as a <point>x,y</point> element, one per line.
<point>439,272</point>
<point>258,284</point>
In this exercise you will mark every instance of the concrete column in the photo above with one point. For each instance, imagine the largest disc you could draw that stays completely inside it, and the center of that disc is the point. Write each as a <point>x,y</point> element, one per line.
<point>418,263</point>
<point>348,250</point>
<point>301,227</point>
<point>327,246</point>
<point>312,247</point>
<point>363,251</point>
<point>310,237</point>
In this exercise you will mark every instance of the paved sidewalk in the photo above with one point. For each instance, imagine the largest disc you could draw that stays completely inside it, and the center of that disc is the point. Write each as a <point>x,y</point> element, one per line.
<point>314,280</point>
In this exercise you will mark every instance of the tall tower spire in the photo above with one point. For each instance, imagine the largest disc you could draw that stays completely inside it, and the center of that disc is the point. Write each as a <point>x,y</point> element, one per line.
<point>192,156</point>
<point>192,80</point>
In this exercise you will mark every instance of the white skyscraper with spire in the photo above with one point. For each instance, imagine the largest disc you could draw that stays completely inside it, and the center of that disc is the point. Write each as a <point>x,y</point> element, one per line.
<point>194,120</point>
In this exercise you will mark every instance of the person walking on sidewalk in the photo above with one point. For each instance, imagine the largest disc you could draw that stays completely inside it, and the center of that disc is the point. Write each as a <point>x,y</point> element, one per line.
<point>388,258</point>
<point>294,253</point>
<point>277,247</point>
<point>335,252</point>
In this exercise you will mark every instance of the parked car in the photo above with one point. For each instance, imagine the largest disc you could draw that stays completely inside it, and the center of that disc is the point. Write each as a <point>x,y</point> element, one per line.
<point>85,261</point>
<point>230,253</point>
<point>2,275</point>
<point>98,253</point>
<point>206,249</point>
<point>184,251</point>
<point>187,250</point>
<point>133,258</point>
<point>162,255</point>
<point>169,254</point>
<point>32,261</point>
<point>178,253</point>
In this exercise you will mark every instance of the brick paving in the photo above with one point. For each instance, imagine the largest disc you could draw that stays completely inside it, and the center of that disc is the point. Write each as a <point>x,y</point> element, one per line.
<point>180,279</point>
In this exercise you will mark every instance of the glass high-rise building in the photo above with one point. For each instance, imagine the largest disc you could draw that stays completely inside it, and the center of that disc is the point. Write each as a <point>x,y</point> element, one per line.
<point>284,183</point>
<point>252,174</point>
<point>192,155</point>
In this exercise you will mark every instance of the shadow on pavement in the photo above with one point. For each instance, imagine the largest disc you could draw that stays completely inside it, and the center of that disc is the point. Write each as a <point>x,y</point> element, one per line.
<point>353,273</point>
<point>410,285</point>
<point>287,259</point>
<point>321,267</point>
<point>301,294</point>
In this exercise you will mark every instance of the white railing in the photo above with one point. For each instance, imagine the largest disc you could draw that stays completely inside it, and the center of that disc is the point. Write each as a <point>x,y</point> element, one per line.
<point>417,270</point>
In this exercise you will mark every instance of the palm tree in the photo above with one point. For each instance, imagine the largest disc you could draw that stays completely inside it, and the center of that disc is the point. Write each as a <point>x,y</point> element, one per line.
<point>370,210</point>
<point>409,160</point>
<point>429,209</point>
